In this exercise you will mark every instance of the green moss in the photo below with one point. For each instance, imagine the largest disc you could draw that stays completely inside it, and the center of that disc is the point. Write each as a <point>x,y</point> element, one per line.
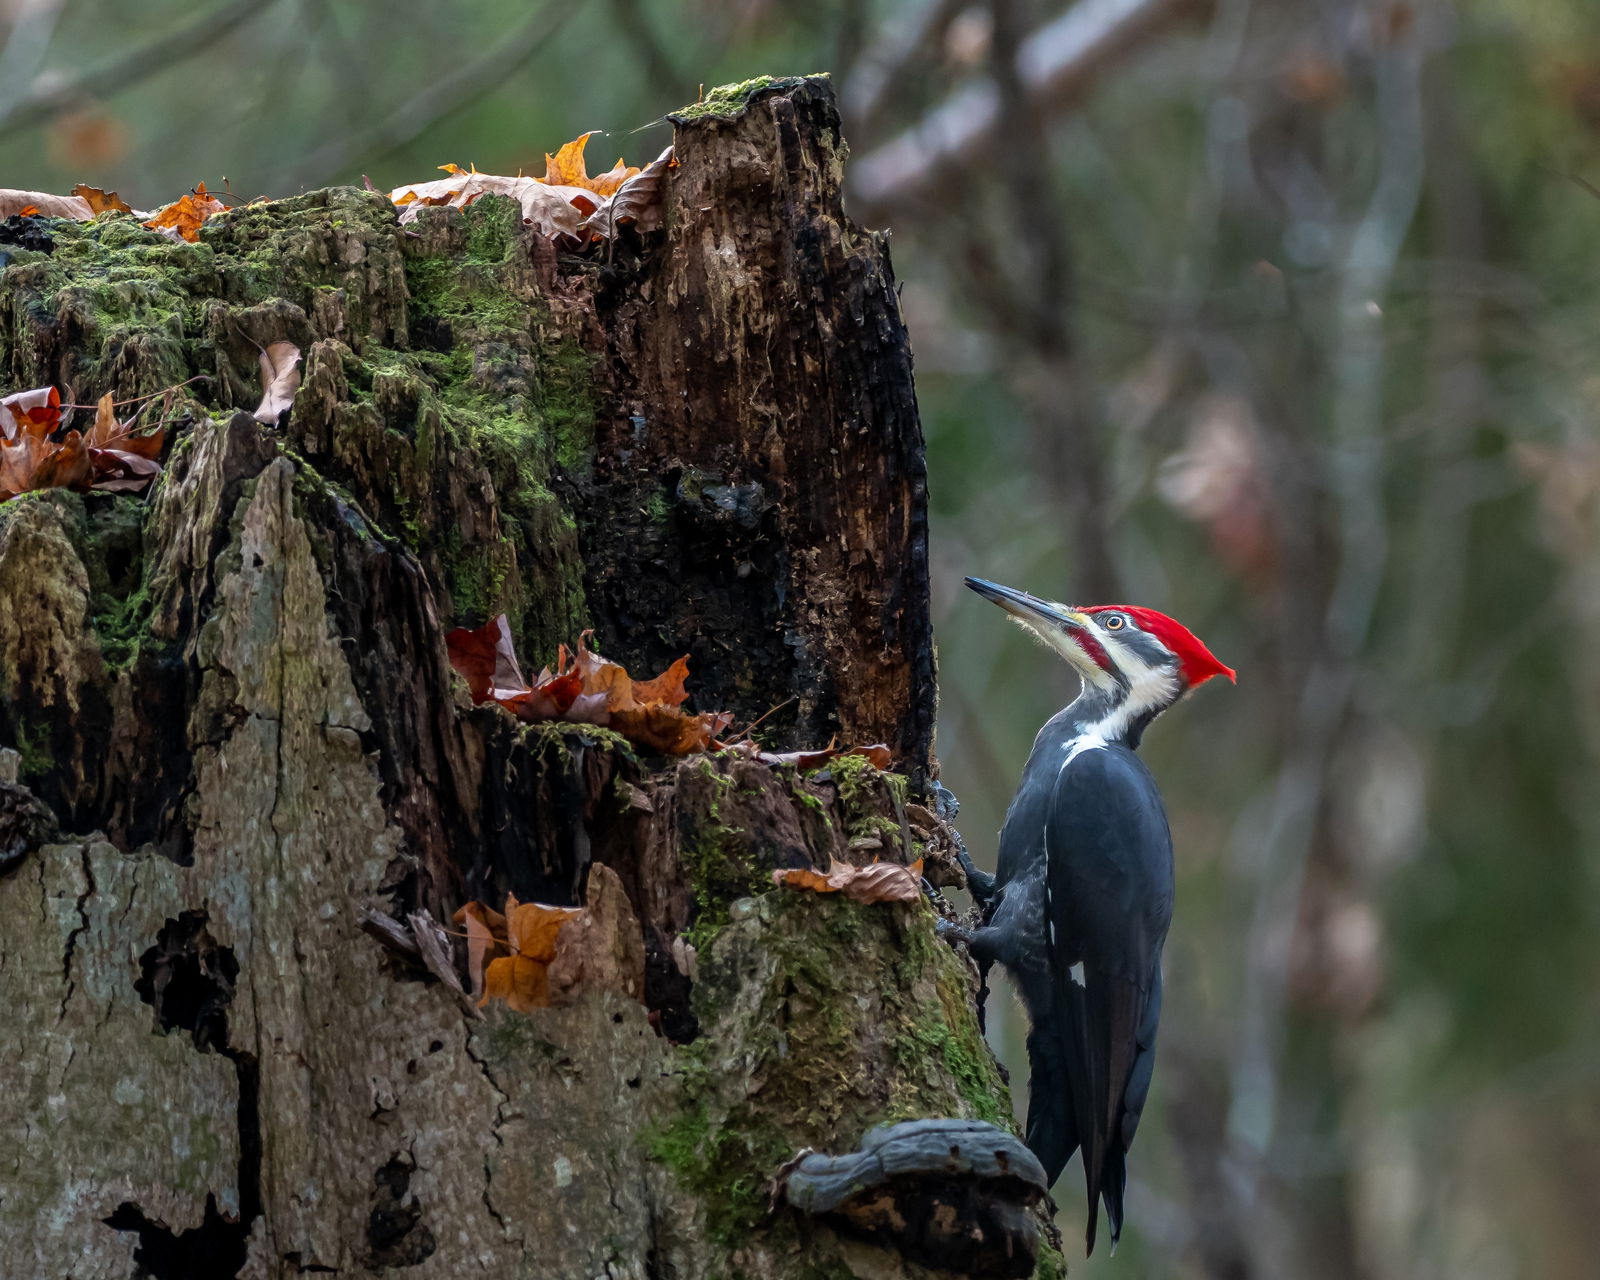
<point>33,745</point>
<point>729,100</point>
<point>717,862</point>
<point>1051,1265</point>
<point>566,402</point>
<point>728,1167</point>
<point>929,1042</point>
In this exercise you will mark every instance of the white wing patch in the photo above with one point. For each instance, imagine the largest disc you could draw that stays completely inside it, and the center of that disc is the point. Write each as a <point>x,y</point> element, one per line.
<point>1077,974</point>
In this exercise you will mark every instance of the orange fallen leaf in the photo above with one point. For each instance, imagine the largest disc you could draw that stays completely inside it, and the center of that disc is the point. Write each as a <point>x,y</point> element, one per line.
<point>585,688</point>
<point>183,217</point>
<point>875,882</point>
<point>522,979</point>
<point>111,457</point>
<point>486,935</point>
<point>101,201</point>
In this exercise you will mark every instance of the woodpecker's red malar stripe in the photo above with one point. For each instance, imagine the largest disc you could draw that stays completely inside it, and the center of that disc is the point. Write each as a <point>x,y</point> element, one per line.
<point>1095,650</point>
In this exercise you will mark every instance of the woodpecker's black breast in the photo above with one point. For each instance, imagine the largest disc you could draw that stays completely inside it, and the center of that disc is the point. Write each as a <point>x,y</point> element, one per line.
<point>1088,832</point>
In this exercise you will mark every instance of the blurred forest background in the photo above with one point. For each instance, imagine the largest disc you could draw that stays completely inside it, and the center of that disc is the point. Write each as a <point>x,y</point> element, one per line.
<point>1281,317</point>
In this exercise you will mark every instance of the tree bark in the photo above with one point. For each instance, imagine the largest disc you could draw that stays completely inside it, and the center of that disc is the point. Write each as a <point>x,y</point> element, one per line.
<point>236,691</point>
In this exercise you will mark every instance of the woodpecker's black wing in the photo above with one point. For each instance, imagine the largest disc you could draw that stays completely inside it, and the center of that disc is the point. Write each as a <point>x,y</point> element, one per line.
<point>1109,879</point>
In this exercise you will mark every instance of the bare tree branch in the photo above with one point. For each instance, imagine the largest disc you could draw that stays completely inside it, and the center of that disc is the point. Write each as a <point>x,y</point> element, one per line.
<point>50,95</point>
<point>1055,66</point>
<point>439,100</point>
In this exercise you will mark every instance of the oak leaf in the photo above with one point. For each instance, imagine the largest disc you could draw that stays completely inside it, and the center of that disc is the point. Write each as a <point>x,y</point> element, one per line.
<point>875,882</point>
<point>101,201</point>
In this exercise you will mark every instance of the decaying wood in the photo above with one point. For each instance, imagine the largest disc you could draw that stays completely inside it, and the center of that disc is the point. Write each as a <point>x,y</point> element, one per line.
<point>236,1041</point>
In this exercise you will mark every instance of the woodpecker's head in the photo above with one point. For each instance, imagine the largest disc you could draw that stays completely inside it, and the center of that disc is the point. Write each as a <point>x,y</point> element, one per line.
<point>1135,663</point>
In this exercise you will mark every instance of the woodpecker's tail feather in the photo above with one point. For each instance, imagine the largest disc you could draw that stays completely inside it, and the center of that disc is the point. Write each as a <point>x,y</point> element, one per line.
<point>1111,1008</point>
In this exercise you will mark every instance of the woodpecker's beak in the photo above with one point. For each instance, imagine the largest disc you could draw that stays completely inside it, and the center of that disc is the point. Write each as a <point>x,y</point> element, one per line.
<point>1029,608</point>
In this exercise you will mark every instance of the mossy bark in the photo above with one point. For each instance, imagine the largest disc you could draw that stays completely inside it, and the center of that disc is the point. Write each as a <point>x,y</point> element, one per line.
<point>235,690</point>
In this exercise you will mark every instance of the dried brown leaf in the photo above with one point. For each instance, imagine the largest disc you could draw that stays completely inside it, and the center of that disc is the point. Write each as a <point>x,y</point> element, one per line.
<point>639,201</point>
<point>280,379</point>
<point>101,201</point>
<point>875,882</point>
<point>183,218</point>
<point>43,203</point>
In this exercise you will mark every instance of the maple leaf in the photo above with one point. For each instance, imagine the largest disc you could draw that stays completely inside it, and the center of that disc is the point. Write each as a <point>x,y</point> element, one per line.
<point>29,459</point>
<point>875,882</point>
<point>183,217</point>
<point>111,457</point>
<point>566,204</point>
<point>280,379</point>
<point>567,169</point>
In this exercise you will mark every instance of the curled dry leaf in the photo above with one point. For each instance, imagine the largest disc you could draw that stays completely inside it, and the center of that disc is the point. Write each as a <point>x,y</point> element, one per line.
<point>551,211</point>
<point>38,411</point>
<point>112,457</point>
<point>122,460</point>
<point>585,689</point>
<point>280,379</point>
<point>875,882</point>
<point>43,203</point>
<point>535,955</point>
<point>182,218</point>
<point>877,755</point>
<point>565,204</point>
<point>638,200</point>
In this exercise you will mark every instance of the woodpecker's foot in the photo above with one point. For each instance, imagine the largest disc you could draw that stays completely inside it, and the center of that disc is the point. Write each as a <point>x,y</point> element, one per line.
<point>952,933</point>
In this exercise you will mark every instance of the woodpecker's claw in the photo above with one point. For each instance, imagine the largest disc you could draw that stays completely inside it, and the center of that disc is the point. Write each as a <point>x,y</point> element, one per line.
<point>951,932</point>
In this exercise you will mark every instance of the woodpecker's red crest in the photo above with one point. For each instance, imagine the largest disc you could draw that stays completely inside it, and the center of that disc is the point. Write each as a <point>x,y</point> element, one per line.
<point>1198,662</point>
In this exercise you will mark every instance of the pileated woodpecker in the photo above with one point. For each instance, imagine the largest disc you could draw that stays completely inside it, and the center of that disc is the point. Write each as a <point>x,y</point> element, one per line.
<point>1079,905</point>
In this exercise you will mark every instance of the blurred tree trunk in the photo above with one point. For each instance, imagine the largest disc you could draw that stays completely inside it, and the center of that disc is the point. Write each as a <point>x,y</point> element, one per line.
<point>238,689</point>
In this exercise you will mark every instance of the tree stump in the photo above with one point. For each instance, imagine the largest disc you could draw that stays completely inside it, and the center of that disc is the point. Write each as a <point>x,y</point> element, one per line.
<point>235,692</point>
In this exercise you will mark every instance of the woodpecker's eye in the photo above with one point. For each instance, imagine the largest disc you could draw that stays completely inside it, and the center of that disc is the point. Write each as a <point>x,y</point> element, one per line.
<point>1112,622</point>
